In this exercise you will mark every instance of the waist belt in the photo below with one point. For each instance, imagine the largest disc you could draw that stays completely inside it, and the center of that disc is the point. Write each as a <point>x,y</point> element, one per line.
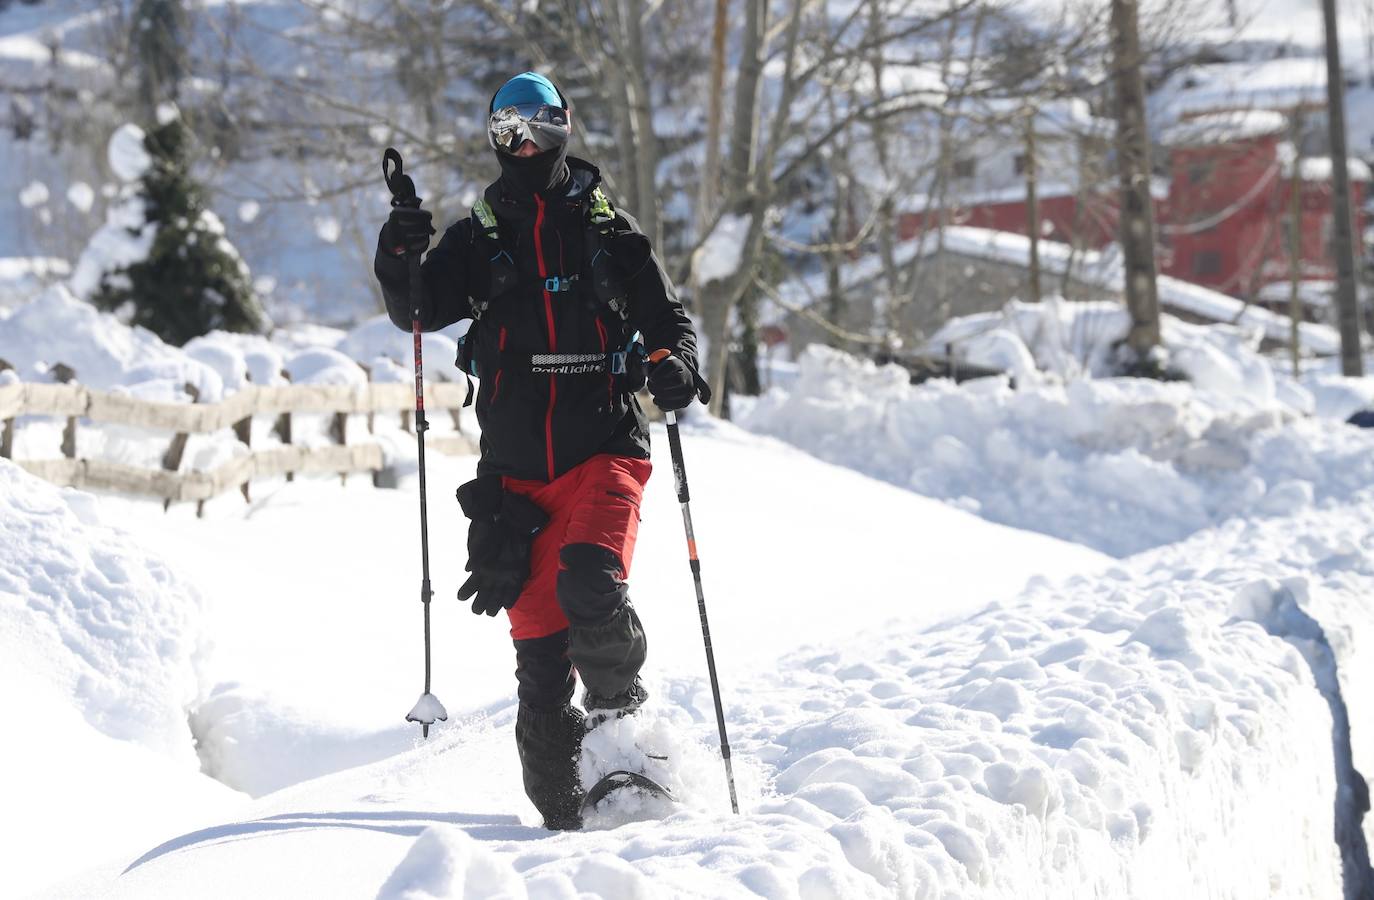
<point>613,363</point>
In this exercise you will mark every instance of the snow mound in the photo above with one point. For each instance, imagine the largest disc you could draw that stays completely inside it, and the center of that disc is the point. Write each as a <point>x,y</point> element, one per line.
<point>99,652</point>
<point>1120,465</point>
<point>377,338</point>
<point>97,618</point>
<point>323,365</point>
<point>1064,340</point>
<point>56,327</point>
<point>444,862</point>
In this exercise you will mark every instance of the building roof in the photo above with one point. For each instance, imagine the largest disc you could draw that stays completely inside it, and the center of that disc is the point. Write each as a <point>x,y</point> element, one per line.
<point>1089,266</point>
<point>1229,127</point>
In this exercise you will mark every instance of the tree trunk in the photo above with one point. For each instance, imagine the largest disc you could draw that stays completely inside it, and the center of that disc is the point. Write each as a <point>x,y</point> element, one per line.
<point>1295,244</point>
<point>710,177</point>
<point>641,111</point>
<point>1032,209</point>
<point>743,137</point>
<point>1347,303</point>
<point>1133,159</point>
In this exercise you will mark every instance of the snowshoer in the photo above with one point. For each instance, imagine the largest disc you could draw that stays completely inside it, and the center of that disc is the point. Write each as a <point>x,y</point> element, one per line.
<point>558,283</point>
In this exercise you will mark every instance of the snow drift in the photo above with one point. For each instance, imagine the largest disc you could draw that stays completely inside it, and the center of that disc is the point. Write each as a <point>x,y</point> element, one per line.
<point>1117,464</point>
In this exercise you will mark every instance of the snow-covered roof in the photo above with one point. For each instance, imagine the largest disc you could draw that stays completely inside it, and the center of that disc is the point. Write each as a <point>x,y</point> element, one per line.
<point>1102,268</point>
<point>1268,84</point>
<point>1226,127</point>
<point>1318,168</point>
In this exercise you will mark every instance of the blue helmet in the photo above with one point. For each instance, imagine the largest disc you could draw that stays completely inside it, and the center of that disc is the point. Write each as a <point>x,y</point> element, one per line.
<point>528,107</point>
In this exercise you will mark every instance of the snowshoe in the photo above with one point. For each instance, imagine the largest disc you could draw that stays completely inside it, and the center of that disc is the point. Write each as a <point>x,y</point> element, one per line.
<point>623,780</point>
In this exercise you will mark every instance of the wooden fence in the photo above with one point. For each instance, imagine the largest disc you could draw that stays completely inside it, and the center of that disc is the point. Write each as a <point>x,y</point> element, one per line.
<point>78,403</point>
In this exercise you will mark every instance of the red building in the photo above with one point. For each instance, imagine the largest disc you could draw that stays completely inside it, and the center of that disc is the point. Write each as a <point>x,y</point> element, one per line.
<point>1223,219</point>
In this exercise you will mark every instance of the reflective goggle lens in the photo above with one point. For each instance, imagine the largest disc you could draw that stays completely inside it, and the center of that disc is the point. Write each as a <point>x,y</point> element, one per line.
<point>511,126</point>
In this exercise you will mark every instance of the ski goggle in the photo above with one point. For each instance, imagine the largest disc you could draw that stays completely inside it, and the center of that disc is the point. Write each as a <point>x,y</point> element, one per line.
<point>511,126</point>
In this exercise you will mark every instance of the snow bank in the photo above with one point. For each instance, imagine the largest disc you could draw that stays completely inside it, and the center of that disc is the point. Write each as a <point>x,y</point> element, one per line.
<point>97,617</point>
<point>1067,340</point>
<point>56,327</point>
<point>99,648</point>
<point>1119,464</point>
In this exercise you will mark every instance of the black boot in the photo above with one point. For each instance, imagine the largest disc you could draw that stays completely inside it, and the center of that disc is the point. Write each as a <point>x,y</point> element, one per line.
<point>625,703</point>
<point>549,744</point>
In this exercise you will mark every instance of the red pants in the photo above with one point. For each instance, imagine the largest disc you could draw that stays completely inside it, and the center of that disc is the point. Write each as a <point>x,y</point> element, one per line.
<point>596,502</point>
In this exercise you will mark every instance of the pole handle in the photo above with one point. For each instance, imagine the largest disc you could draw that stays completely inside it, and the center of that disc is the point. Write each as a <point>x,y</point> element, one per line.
<point>401,185</point>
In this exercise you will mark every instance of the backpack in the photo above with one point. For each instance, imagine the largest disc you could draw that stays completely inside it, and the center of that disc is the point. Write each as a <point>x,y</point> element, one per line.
<point>608,291</point>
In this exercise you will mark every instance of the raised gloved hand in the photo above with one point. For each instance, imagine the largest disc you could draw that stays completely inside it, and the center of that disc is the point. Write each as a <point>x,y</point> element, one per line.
<point>502,532</point>
<point>407,230</point>
<point>673,384</point>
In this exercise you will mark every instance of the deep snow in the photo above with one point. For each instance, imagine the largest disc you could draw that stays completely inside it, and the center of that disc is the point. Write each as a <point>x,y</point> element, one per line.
<point>1130,733</point>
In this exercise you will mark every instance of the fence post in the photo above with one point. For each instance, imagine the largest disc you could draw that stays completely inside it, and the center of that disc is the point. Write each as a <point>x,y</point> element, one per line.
<point>65,374</point>
<point>338,430</point>
<point>171,460</point>
<point>243,430</point>
<point>7,432</point>
<point>282,428</point>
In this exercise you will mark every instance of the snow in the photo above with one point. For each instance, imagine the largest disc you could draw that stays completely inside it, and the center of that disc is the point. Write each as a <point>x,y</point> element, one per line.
<point>719,255</point>
<point>1119,465</point>
<point>127,156</point>
<point>327,228</point>
<point>1090,266</point>
<point>920,702</point>
<point>127,236</point>
<point>1083,637</point>
<point>1136,732</point>
<point>98,651</point>
<point>81,195</point>
<point>56,327</point>
<point>34,194</point>
<point>1248,85</point>
<point>1225,127</point>
<point>1105,268</point>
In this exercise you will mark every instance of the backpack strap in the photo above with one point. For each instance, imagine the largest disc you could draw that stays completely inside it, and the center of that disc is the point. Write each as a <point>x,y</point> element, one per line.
<point>502,267</point>
<point>607,288</point>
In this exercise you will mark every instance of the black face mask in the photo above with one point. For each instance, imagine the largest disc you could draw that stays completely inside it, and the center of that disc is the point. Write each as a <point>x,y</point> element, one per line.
<point>538,174</point>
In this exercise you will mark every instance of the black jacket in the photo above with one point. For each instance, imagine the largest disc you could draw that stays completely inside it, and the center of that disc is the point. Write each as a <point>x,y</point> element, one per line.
<point>538,426</point>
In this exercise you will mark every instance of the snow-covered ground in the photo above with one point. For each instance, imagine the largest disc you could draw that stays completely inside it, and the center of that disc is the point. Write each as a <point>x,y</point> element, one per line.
<point>922,703</point>
<point>316,643</point>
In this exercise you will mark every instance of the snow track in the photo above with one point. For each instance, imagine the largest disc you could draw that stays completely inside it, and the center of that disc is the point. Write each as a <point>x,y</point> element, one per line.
<point>1139,733</point>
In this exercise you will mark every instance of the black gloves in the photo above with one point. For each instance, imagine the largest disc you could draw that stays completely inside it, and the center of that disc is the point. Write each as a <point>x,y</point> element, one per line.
<point>499,539</point>
<point>407,231</point>
<point>674,385</point>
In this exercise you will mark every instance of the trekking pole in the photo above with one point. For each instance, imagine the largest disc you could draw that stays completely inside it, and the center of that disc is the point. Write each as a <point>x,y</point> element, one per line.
<point>684,498</point>
<point>427,709</point>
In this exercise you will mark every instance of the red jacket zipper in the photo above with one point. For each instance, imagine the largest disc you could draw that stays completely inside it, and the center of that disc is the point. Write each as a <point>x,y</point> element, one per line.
<point>553,336</point>
<point>500,346</point>
<point>610,377</point>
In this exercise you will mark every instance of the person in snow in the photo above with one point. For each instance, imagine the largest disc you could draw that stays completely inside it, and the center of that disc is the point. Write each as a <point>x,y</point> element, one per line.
<point>557,283</point>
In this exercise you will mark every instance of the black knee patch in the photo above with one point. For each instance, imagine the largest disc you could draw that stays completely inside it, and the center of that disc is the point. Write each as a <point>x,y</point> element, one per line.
<point>543,672</point>
<point>589,587</point>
